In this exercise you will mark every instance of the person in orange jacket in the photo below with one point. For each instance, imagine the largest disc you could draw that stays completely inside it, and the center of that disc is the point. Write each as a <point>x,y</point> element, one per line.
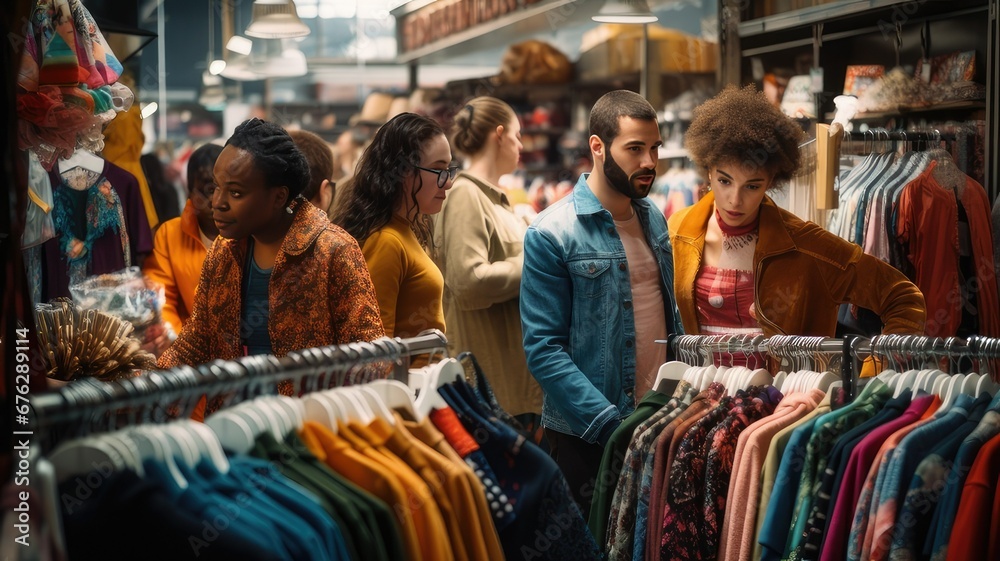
<point>180,245</point>
<point>744,265</point>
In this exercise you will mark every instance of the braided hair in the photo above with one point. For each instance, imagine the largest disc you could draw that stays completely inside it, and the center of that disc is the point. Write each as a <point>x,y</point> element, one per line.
<point>274,154</point>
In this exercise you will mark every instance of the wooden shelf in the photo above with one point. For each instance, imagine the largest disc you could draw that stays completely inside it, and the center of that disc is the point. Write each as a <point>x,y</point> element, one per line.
<point>904,110</point>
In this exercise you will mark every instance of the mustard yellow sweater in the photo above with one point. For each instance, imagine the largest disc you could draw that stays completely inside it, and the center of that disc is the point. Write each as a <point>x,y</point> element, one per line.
<point>408,284</point>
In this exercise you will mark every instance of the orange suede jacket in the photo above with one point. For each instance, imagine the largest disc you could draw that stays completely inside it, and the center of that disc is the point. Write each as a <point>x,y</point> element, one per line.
<point>176,261</point>
<point>319,294</point>
<point>802,274</point>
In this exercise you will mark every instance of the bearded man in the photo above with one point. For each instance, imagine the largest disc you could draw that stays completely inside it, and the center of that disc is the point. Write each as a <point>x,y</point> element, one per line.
<point>595,292</point>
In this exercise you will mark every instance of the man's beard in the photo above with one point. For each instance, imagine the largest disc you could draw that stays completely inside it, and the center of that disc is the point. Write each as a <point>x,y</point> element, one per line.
<point>624,184</point>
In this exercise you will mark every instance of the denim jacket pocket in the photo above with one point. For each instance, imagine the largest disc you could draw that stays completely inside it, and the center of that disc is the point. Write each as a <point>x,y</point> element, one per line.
<point>589,278</point>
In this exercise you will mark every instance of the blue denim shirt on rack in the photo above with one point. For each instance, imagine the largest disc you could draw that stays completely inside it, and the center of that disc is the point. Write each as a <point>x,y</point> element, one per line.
<point>577,314</point>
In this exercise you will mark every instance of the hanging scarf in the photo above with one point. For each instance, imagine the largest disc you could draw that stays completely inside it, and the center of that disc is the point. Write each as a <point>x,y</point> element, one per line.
<point>103,213</point>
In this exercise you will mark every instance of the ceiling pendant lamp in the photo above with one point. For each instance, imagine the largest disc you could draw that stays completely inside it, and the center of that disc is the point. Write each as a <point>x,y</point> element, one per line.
<point>625,11</point>
<point>278,59</point>
<point>276,19</point>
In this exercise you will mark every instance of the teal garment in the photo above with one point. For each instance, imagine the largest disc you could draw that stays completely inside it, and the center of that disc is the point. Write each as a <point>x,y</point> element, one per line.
<point>219,512</point>
<point>376,514</point>
<point>613,460</point>
<point>296,500</point>
<point>299,537</point>
<point>256,313</point>
<point>342,511</point>
<point>833,476</point>
<point>911,450</point>
<point>944,517</point>
<point>930,478</point>
<point>828,429</point>
<point>774,531</point>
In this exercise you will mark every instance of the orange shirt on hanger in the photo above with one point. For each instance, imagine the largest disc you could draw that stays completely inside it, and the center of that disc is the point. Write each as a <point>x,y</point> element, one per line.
<point>431,531</point>
<point>370,475</point>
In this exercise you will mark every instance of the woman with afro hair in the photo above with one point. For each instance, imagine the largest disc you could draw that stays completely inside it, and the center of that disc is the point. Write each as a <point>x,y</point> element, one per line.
<point>743,265</point>
<point>280,277</point>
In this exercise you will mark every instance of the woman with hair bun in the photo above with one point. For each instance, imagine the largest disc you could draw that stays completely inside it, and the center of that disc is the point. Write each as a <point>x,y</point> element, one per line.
<point>280,277</point>
<point>480,253</point>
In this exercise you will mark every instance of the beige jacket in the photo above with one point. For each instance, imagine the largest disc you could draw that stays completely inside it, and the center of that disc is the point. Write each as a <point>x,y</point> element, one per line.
<point>480,253</point>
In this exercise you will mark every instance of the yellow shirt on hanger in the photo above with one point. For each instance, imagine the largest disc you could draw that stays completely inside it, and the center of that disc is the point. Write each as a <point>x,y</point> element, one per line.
<point>368,474</point>
<point>431,530</point>
<point>445,481</point>
<point>427,433</point>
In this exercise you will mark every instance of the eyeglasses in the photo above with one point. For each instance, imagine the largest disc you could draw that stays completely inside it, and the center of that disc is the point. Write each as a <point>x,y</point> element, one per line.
<point>444,175</point>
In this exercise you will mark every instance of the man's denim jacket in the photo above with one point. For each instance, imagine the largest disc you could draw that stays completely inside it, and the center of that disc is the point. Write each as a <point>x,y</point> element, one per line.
<point>577,314</point>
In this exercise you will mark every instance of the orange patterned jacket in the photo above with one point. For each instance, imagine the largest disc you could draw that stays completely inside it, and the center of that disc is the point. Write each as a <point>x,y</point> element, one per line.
<point>319,294</point>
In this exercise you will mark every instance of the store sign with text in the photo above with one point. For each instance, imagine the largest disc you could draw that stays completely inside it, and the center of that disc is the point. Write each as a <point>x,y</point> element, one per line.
<point>444,18</point>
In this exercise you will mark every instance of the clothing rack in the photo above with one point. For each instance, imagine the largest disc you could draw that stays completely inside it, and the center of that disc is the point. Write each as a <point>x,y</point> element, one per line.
<point>87,406</point>
<point>877,135</point>
<point>900,350</point>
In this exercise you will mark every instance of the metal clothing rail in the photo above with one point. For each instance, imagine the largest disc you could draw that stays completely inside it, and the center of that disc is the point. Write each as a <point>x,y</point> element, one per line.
<point>778,346</point>
<point>87,406</point>
<point>913,350</point>
<point>884,135</point>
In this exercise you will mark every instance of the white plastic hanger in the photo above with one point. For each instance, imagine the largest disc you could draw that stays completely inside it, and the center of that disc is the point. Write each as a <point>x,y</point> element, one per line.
<point>125,447</point>
<point>357,410</point>
<point>905,382</point>
<point>669,371</point>
<point>970,383</point>
<point>322,411</point>
<point>208,444</point>
<point>952,389</point>
<point>758,377</point>
<point>82,159</point>
<point>79,456</point>
<point>181,444</point>
<point>291,409</point>
<point>942,382</point>
<point>825,381</point>
<point>375,403</point>
<point>439,374</point>
<point>708,376</point>
<point>779,380</point>
<point>396,395</point>
<point>278,421</point>
<point>986,384</point>
<point>233,431</point>
<point>152,444</point>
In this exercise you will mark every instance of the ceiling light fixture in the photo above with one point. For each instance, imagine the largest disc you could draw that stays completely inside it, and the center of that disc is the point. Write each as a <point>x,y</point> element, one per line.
<point>276,19</point>
<point>239,44</point>
<point>625,11</point>
<point>148,109</point>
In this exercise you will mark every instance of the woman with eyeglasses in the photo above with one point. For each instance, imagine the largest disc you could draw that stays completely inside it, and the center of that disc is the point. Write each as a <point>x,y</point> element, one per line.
<point>480,251</point>
<point>402,178</point>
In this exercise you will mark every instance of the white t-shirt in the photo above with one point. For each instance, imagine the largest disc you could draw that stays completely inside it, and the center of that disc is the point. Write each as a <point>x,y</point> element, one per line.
<point>647,304</point>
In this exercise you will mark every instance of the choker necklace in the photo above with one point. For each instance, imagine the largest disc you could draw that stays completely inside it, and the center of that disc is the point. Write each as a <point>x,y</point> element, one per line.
<point>732,231</point>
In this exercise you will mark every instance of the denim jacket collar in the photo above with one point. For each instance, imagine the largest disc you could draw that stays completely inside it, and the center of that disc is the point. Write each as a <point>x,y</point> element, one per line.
<point>587,202</point>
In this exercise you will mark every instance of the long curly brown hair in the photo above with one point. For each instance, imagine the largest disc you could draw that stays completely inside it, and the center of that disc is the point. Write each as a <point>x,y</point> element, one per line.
<point>741,125</point>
